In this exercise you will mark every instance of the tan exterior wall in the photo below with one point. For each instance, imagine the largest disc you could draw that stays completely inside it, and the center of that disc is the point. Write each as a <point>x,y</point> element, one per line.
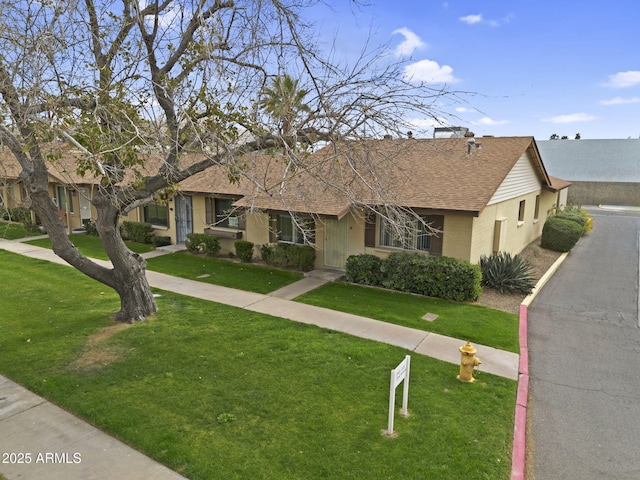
<point>484,229</point>
<point>456,240</point>
<point>71,215</point>
<point>11,194</point>
<point>517,234</point>
<point>356,234</point>
<point>257,230</point>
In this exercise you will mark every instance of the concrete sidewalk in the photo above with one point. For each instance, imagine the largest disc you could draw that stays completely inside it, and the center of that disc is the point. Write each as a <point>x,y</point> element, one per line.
<point>78,451</point>
<point>40,441</point>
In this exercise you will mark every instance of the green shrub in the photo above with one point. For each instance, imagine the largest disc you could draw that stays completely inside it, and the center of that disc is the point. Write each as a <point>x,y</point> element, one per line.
<point>506,274</point>
<point>140,232</point>
<point>442,277</point>
<point>267,253</point>
<point>160,240</point>
<point>203,244</point>
<point>19,215</point>
<point>574,217</point>
<point>578,214</point>
<point>449,278</point>
<point>288,255</point>
<point>90,227</point>
<point>301,257</point>
<point>560,235</point>
<point>244,250</point>
<point>398,270</point>
<point>363,269</point>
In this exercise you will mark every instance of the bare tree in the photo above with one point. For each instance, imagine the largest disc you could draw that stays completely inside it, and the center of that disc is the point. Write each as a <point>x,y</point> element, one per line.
<point>136,84</point>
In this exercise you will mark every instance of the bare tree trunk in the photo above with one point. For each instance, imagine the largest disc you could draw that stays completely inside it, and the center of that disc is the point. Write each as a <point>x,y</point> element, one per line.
<point>136,299</point>
<point>127,277</point>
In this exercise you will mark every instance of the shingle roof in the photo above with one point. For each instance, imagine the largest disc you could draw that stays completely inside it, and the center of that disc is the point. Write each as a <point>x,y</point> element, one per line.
<point>435,174</point>
<point>443,174</point>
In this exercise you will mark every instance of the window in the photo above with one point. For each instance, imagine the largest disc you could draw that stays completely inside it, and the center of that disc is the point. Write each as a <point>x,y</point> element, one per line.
<point>521,212</point>
<point>156,214</point>
<point>62,198</point>
<point>536,211</point>
<point>293,231</point>
<point>221,213</point>
<point>412,236</point>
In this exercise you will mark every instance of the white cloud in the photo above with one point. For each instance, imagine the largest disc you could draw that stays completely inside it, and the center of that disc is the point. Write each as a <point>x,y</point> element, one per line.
<point>429,71</point>
<point>474,19</point>
<point>464,110</point>
<point>471,19</point>
<point>490,121</point>
<point>624,79</point>
<point>571,118</point>
<point>423,124</point>
<point>411,42</point>
<point>620,101</point>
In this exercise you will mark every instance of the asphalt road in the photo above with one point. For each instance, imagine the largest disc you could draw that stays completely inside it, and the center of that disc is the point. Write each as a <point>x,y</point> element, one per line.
<point>584,347</point>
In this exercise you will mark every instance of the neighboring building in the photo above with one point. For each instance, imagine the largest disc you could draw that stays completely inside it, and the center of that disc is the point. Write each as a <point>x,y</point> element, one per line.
<point>601,172</point>
<point>451,132</point>
<point>12,194</point>
<point>69,191</point>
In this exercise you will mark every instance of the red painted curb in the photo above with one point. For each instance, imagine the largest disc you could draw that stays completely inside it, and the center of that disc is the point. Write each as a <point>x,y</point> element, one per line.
<point>522,329</point>
<point>520,423</point>
<point>519,446</point>
<point>523,391</point>
<point>523,363</point>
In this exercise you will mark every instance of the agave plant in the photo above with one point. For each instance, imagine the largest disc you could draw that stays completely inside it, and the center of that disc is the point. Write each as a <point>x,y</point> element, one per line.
<point>506,274</point>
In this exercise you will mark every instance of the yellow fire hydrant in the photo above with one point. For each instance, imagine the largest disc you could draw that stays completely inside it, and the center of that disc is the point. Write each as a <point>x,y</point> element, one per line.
<point>468,361</point>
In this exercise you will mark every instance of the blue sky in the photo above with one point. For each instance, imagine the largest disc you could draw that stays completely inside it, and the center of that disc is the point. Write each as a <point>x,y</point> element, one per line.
<point>533,67</point>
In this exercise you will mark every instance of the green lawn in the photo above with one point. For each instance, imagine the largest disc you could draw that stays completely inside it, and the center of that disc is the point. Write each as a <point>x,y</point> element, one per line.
<point>218,392</point>
<point>243,276</point>
<point>14,231</point>
<point>468,322</point>
<point>92,246</point>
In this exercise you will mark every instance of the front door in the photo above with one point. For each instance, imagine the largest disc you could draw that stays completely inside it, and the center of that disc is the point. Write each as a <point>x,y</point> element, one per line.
<point>85,204</point>
<point>336,242</point>
<point>184,218</point>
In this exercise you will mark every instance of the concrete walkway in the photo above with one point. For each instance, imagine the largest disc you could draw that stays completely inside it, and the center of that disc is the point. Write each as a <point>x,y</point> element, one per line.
<point>22,411</point>
<point>40,441</point>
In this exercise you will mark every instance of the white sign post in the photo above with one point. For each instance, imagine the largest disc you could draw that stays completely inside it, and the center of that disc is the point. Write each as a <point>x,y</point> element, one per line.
<point>398,374</point>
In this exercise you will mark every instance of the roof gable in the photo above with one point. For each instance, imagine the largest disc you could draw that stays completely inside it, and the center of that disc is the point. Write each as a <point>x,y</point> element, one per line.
<point>436,174</point>
<point>523,178</point>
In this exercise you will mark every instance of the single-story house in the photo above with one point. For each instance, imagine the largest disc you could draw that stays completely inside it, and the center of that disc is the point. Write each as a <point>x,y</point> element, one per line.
<point>70,192</point>
<point>601,172</point>
<point>479,196</point>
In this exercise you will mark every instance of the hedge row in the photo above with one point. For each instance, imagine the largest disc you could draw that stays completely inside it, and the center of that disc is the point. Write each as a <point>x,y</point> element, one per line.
<point>287,255</point>
<point>441,277</point>
<point>140,232</point>
<point>203,244</point>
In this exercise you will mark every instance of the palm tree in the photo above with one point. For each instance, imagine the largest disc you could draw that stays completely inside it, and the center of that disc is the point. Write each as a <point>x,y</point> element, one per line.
<point>283,102</point>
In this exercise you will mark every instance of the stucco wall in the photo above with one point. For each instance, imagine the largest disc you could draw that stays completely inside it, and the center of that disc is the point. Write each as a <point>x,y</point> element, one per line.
<point>456,240</point>
<point>604,193</point>
<point>517,234</point>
